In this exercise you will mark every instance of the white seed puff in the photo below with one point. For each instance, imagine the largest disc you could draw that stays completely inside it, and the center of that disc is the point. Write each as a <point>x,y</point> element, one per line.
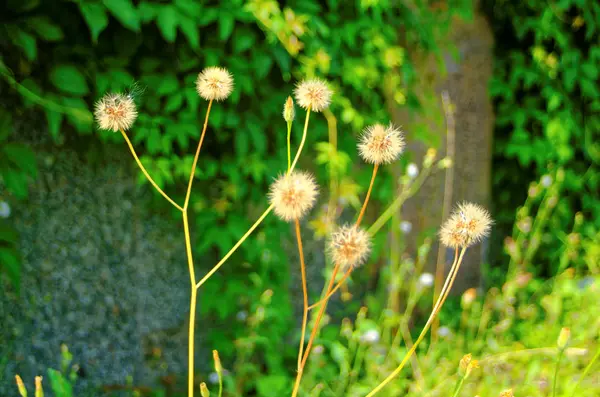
<point>380,145</point>
<point>314,93</point>
<point>214,83</point>
<point>349,246</point>
<point>293,195</point>
<point>115,112</point>
<point>467,225</point>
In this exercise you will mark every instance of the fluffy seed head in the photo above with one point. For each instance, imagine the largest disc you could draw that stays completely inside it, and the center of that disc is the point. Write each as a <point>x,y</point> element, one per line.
<point>288,110</point>
<point>293,195</point>
<point>115,112</point>
<point>314,93</point>
<point>214,83</point>
<point>380,145</point>
<point>350,246</point>
<point>467,225</point>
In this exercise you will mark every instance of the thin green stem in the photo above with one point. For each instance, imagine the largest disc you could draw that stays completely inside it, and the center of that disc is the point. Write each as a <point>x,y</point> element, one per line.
<point>220,385</point>
<point>193,172</point>
<point>585,371</point>
<point>458,387</point>
<point>188,249</point>
<point>560,354</point>
<point>289,144</point>
<point>139,163</point>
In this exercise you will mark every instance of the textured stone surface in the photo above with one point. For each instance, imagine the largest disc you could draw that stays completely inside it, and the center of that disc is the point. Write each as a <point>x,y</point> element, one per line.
<point>101,273</point>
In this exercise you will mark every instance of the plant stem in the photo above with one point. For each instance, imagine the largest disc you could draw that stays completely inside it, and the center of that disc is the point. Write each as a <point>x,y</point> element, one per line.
<point>313,333</point>
<point>364,207</point>
<point>235,247</point>
<point>193,172</point>
<point>302,141</point>
<point>560,354</point>
<point>444,294</point>
<point>304,292</point>
<point>289,136</point>
<point>333,291</point>
<point>139,163</point>
<point>459,387</point>
<point>585,371</point>
<point>188,249</point>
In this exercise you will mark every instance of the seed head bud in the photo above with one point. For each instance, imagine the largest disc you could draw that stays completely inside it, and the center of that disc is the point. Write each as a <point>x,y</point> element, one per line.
<point>39,391</point>
<point>429,157</point>
<point>563,338</point>
<point>349,246</point>
<point>444,163</point>
<point>204,392</point>
<point>380,145</point>
<point>21,386</point>
<point>467,225</point>
<point>288,110</point>
<point>214,83</point>
<point>464,363</point>
<point>218,367</point>
<point>468,298</point>
<point>293,195</point>
<point>507,393</point>
<point>314,94</point>
<point>115,112</point>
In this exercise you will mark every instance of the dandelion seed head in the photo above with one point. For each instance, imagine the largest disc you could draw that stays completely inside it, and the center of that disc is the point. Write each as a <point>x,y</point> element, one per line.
<point>214,83</point>
<point>380,145</point>
<point>293,195</point>
<point>467,225</point>
<point>349,246</point>
<point>115,112</point>
<point>314,94</point>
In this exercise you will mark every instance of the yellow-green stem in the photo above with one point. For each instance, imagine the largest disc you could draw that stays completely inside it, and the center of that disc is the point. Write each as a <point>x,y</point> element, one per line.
<point>235,247</point>
<point>289,144</point>
<point>304,132</point>
<point>139,163</point>
<point>364,207</point>
<point>188,249</point>
<point>444,294</point>
<point>193,172</point>
<point>304,292</point>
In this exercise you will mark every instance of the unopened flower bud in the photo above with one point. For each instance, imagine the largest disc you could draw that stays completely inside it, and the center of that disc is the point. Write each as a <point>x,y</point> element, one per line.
<point>444,163</point>
<point>464,363</point>
<point>429,157</point>
<point>288,110</point>
<point>21,386</point>
<point>217,360</point>
<point>507,393</point>
<point>39,392</point>
<point>468,298</point>
<point>204,390</point>
<point>563,338</point>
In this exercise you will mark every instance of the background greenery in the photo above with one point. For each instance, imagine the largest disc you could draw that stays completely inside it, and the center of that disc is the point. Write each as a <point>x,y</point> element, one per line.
<point>58,57</point>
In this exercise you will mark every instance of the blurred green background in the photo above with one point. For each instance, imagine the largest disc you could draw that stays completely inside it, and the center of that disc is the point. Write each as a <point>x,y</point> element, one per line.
<point>59,57</point>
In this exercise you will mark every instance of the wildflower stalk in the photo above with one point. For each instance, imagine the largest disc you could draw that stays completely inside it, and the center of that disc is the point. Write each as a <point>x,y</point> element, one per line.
<point>289,136</point>
<point>139,163</point>
<point>560,355</point>
<point>193,172</point>
<point>304,292</point>
<point>585,371</point>
<point>458,387</point>
<point>442,298</point>
<point>364,207</point>
<point>302,141</point>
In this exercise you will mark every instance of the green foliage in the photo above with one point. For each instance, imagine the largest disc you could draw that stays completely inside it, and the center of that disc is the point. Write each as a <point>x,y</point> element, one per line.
<point>547,101</point>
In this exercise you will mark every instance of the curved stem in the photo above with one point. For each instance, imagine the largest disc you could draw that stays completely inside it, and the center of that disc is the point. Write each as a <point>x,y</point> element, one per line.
<point>444,294</point>
<point>560,354</point>
<point>302,141</point>
<point>139,163</point>
<point>304,292</point>
<point>188,249</point>
<point>191,181</point>
<point>235,247</point>
<point>333,291</point>
<point>313,333</point>
<point>585,371</point>
<point>364,206</point>
<point>459,387</point>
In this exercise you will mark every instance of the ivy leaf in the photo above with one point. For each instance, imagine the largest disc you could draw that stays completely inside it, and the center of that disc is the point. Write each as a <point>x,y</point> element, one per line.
<point>125,13</point>
<point>96,18</point>
<point>69,79</point>
<point>45,28</point>
<point>167,21</point>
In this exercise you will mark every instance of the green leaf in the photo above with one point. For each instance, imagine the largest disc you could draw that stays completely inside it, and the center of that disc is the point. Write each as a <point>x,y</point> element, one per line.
<point>45,28</point>
<point>189,7</point>
<point>54,123</point>
<point>226,24</point>
<point>125,13</point>
<point>167,85</point>
<point>24,40</point>
<point>22,157</point>
<point>174,102</point>
<point>8,234</point>
<point>16,183</point>
<point>167,21</point>
<point>60,386</point>
<point>96,18</point>
<point>190,30</point>
<point>9,262</point>
<point>69,79</point>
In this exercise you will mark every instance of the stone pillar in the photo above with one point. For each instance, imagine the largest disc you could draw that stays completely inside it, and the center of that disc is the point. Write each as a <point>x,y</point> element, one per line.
<point>466,84</point>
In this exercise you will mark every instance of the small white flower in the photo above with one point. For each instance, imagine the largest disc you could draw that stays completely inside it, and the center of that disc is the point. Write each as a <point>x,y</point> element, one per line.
<point>371,336</point>
<point>444,331</point>
<point>412,170</point>
<point>4,209</point>
<point>426,280</point>
<point>546,180</point>
<point>406,227</point>
<point>213,378</point>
